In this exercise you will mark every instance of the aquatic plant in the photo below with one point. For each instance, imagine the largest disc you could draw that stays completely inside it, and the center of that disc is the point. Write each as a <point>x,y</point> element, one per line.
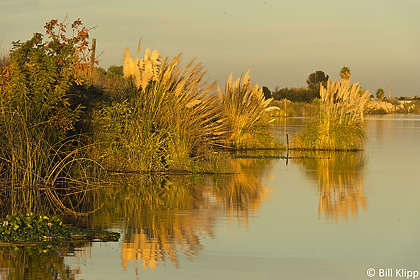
<point>38,228</point>
<point>339,124</point>
<point>245,110</point>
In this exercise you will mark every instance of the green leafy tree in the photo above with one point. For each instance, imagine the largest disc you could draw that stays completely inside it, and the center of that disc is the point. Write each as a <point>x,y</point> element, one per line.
<point>380,94</point>
<point>316,78</point>
<point>314,81</point>
<point>302,94</point>
<point>266,92</point>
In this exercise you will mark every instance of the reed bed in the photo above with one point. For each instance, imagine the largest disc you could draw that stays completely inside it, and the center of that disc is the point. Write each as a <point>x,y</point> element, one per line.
<point>340,123</point>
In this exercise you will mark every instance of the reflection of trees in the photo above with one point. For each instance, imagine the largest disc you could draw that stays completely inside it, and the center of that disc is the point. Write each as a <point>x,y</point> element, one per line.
<point>36,263</point>
<point>340,178</point>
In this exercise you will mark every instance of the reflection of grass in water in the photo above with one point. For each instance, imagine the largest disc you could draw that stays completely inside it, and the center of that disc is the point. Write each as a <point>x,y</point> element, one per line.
<point>34,263</point>
<point>150,206</point>
<point>242,194</point>
<point>340,178</point>
<point>164,216</point>
<point>74,199</point>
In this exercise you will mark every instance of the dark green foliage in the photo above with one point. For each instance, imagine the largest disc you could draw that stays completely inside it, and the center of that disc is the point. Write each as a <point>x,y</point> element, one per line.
<point>302,94</point>
<point>38,228</point>
<point>380,94</point>
<point>266,92</point>
<point>316,79</point>
<point>115,70</point>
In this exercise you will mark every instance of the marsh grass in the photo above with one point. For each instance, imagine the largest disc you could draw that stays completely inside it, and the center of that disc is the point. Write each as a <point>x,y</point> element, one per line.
<point>38,171</point>
<point>340,123</point>
<point>245,110</point>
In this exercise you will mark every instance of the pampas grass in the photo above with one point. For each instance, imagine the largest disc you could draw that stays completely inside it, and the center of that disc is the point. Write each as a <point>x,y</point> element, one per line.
<point>144,70</point>
<point>340,123</point>
<point>169,124</point>
<point>245,110</point>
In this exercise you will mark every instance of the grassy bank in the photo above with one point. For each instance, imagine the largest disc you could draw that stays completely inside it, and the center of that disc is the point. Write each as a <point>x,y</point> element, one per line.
<point>63,122</point>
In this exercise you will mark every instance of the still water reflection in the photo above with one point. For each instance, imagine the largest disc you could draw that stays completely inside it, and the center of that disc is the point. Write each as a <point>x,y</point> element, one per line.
<point>320,216</point>
<point>340,182</point>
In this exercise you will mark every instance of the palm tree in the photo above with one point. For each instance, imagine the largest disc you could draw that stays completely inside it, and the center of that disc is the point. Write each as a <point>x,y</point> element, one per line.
<point>345,73</point>
<point>380,94</point>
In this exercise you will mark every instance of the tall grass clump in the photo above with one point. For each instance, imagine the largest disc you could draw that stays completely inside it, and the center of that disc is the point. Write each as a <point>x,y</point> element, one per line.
<point>169,119</point>
<point>245,110</point>
<point>339,124</point>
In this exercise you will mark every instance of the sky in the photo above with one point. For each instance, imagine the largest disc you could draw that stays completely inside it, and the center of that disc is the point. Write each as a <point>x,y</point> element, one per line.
<point>282,42</point>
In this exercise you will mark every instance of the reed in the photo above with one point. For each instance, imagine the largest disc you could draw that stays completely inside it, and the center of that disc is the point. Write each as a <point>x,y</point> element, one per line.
<point>340,123</point>
<point>245,110</point>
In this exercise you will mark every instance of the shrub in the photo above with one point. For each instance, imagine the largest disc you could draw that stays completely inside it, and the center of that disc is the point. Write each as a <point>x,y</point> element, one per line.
<point>36,113</point>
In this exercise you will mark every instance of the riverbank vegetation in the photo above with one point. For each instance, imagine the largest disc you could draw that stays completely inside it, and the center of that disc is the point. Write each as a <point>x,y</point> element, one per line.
<point>64,122</point>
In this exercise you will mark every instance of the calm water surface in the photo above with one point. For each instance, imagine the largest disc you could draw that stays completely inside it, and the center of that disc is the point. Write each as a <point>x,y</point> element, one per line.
<point>324,216</point>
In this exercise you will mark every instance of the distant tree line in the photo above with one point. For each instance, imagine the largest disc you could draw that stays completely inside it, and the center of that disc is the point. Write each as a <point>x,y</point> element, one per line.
<point>301,94</point>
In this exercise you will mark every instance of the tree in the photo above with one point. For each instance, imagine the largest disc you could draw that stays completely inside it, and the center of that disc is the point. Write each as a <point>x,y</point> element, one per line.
<point>302,94</point>
<point>380,94</point>
<point>345,73</point>
<point>314,81</point>
<point>266,92</point>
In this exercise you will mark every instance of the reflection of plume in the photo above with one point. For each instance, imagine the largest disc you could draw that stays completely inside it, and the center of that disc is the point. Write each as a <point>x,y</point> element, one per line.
<point>167,216</point>
<point>340,178</point>
<point>242,194</point>
<point>340,199</point>
<point>163,217</point>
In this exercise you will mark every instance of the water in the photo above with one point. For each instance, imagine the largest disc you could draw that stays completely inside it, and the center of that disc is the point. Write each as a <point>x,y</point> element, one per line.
<point>325,216</point>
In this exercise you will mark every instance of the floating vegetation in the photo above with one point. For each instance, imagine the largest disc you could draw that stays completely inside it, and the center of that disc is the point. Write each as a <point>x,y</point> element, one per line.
<point>38,228</point>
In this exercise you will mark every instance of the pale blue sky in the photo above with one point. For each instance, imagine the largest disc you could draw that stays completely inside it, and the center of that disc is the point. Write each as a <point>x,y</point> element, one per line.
<point>281,41</point>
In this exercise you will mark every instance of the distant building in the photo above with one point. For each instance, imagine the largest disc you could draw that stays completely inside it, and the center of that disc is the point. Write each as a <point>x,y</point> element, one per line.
<point>405,100</point>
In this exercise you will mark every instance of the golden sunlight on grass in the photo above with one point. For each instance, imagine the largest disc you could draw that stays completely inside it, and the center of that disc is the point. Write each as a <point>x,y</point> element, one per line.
<point>340,123</point>
<point>245,110</point>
